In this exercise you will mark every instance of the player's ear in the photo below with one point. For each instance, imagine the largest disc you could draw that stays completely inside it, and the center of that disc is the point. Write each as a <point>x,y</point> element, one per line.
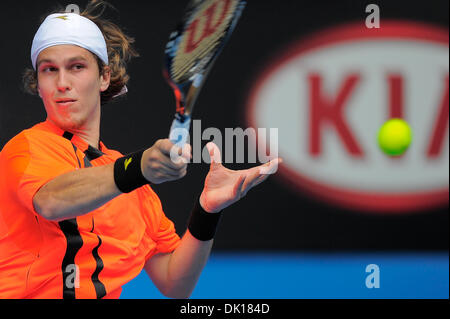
<point>105,78</point>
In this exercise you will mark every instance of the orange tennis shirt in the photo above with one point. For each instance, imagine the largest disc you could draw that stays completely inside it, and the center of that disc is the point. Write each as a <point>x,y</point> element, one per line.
<point>91,256</point>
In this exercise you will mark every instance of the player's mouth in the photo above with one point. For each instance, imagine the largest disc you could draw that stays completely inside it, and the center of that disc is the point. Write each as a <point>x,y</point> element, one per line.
<point>65,102</point>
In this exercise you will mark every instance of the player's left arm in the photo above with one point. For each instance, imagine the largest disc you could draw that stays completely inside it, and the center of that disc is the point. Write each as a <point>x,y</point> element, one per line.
<point>176,274</point>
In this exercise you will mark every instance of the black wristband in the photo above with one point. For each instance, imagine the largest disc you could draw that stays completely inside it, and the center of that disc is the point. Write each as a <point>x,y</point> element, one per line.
<point>127,172</point>
<point>202,225</point>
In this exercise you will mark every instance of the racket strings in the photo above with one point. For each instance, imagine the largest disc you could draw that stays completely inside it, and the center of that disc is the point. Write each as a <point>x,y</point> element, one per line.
<point>180,69</point>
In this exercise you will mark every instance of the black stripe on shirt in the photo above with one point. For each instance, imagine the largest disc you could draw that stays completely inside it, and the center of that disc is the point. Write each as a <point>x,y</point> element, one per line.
<point>69,228</point>
<point>100,289</point>
<point>91,154</point>
<point>74,241</point>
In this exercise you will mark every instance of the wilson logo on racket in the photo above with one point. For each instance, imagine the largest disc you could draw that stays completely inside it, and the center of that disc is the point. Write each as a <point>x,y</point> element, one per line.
<point>203,33</point>
<point>330,94</point>
<point>210,20</point>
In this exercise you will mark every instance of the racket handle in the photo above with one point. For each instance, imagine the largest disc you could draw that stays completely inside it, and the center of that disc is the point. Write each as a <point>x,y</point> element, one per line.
<point>179,131</point>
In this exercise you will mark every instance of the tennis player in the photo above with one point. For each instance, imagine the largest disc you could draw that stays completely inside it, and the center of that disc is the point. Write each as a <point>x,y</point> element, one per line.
<point>80,220</point>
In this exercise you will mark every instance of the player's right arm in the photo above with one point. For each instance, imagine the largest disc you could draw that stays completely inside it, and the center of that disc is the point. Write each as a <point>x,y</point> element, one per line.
<point>81,191</point>
<point>76,193</point>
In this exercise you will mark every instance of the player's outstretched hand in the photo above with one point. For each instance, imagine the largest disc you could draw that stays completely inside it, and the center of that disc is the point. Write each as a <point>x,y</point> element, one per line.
<point>224,186</point>
<point>157,165</point>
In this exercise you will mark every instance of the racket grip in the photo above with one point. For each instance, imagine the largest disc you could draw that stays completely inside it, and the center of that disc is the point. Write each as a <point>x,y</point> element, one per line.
<point>179,131</point>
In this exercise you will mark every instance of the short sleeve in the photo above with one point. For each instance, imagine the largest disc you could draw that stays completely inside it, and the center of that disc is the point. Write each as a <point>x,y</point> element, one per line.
<point>160,228</point>
<point>168,239</point>
<point>29,163</point>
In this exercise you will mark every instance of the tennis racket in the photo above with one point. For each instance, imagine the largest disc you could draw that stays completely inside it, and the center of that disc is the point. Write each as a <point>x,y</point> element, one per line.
<point>191,52</point>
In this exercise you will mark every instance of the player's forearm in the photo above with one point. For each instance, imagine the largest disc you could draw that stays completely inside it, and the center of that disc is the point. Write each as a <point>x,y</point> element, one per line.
<point>185,266</point>
<point>76,193</point>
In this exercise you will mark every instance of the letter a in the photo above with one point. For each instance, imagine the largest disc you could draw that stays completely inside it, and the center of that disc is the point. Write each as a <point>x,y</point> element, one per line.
<point>373,19</point>
<point>373,280</point>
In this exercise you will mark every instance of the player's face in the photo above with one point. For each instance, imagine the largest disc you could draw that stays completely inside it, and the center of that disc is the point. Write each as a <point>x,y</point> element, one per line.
<point>70,84</point>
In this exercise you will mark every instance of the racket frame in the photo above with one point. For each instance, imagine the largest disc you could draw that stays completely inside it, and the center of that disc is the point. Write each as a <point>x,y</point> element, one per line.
<point>186,92</point>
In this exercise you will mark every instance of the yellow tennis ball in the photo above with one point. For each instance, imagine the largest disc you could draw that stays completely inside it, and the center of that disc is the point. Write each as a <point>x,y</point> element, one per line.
<point>394,137</point>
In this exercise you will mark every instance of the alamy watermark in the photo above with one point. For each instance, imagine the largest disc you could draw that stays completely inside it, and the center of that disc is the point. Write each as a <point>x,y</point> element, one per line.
<point>232,142</point>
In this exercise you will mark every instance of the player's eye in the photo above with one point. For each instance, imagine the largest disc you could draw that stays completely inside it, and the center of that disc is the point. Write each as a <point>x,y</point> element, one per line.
<point>48,69</point>
<point>77,66</point>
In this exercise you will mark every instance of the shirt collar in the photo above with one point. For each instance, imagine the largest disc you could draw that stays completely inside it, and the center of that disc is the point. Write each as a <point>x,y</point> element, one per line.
<point>81,144</point>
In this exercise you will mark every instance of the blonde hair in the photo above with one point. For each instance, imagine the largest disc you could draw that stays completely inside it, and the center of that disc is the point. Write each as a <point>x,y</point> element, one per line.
<point>119,46</point>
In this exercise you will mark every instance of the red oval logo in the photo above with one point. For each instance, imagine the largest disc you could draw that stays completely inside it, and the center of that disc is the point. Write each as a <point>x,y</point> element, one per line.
<point>329,94</point>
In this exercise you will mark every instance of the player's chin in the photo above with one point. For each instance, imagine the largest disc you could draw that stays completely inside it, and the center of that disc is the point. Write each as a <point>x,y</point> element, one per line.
<point>70,121</point>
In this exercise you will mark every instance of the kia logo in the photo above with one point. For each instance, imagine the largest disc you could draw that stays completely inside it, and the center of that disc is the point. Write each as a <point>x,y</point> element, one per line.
<point>330,93</point>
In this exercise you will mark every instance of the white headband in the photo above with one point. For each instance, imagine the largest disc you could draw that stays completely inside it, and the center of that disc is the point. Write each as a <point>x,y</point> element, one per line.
<point>69,28</point>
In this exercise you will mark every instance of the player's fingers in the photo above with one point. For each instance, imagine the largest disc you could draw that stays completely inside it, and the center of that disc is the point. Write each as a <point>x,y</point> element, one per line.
<point>267,170</point>
<point>270,167</point>
<point>184,152</point>
<point>260,179</point>
<point>214,154</point>
<point>183,172</point>
<point>174,156</point>
<point>170,174</point>
<point>259,174</point>
<point>187,152</point>
<point>180,156</point>
<point>237,191</point>
<point>156,158</point>
<point>249,182</point>
<point>167,147</point>
<point>177,165</point>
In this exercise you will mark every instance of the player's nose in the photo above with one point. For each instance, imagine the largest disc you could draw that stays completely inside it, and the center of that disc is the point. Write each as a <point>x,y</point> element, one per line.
<point>62,82</point>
